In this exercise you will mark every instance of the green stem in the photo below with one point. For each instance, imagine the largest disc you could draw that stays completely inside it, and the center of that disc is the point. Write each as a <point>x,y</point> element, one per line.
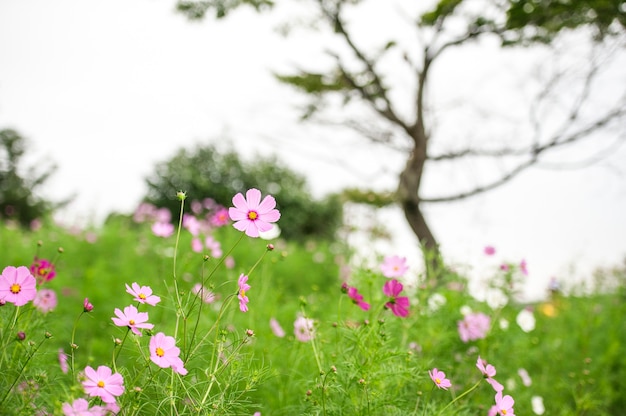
<point>466,392</point>
<point>22,370</point>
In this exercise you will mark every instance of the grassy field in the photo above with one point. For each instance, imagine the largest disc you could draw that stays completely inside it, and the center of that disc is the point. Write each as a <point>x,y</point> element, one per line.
<point>570,361</point>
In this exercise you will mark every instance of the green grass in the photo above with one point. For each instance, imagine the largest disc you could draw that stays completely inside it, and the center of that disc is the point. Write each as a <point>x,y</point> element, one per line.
<point>359,363</point>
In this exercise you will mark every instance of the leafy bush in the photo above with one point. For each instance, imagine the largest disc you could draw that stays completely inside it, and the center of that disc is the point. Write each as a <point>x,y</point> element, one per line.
<point>205,171</point>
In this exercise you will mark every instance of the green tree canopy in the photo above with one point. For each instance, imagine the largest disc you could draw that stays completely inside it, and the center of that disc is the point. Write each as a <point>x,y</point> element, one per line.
<point>18,200</point>
<point>205,172</point>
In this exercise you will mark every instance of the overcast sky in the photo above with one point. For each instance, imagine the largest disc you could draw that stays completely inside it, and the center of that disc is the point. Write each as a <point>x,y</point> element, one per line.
<point>107,89</point>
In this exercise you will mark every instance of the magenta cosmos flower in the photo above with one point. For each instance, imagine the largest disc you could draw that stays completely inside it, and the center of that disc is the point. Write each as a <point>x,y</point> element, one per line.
<point>42,270</point>
<point>102,383</point>
<point>474,326</point>
<point>132,318</point>
<point>357,298</point>
<point>398,305</point>
<point>243,288</point>
<point>165,353</point>
<point>253,215</point>
<point>490,250</point>
<point>17,285</point>
<point>489,371</point>
<point>439,378</point>
<point>394,266</point>
<point>504,405</point>
<point>143,294</point>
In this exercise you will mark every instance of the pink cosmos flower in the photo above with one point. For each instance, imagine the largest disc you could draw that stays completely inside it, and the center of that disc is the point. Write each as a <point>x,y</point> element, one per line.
<point>132,318</point>
<point>253,215</point>
<point>102,383</point>
<point>45,300</point>
<point>80,407</point>
<point>489,371</point>
<point>220,218</point>
<point>63,361</point>
<point>229,262</point>
<point>490,250</point>
<point>143,294</point>
<point>17,285</point>
<point>196,245</point>
<point>87,307</point>
<point>394,266</point>
<point>276,328</point>
<point>165,353</point>
<point>474,326</point>
<point>504,405</point>
<point>42,270</point>
<point>162,229</point>
<point>505,267</point>
<point>357,298</point>
<point>191,224</point>
<point>303,329</point>
<point>439,378</point>
<point>243,287</point>
<point>205,294</point>
<point>398,305</point>
<point>523,267</point>
<point>213,245</point>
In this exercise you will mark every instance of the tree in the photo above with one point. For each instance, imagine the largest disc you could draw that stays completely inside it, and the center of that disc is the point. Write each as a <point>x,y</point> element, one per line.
<point>359,79</point>
<point>18,200</point>
<point>205,172</point>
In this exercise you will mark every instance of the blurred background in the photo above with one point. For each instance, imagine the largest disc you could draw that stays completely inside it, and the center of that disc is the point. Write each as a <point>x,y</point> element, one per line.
<point>109,91</point>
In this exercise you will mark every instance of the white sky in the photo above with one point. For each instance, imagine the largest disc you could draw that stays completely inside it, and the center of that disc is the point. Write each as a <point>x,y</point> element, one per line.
<point>107,89</point>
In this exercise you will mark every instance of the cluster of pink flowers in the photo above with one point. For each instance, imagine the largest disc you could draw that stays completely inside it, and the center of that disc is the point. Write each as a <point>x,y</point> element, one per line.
<point>205,216</point>
<point>503,404</point>
<point>160,218</point>
<point>474,326</point>
<point>163,351</point>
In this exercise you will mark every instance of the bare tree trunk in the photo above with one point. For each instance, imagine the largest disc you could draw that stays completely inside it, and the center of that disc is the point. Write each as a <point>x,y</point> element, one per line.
<point>408,196</point>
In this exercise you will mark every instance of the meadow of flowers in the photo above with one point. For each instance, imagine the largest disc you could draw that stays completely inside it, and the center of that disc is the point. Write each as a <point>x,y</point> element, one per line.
<point>217,315</point>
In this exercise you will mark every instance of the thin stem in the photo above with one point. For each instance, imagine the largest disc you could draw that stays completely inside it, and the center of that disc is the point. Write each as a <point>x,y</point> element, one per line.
<point>22,369</point>
<point>466,392</point>
<point>72,344</point>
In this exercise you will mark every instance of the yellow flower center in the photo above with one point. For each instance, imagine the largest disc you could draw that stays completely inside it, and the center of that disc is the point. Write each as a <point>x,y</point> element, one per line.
<point>142,296</point>
<point>438,380</point>
<point>159,352</point>
<point>253,215</point>
<point>504,412</point>
<point>132,322</point>
<point>242,293</point>
<point>101,384</point>
<point>15,288</point>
